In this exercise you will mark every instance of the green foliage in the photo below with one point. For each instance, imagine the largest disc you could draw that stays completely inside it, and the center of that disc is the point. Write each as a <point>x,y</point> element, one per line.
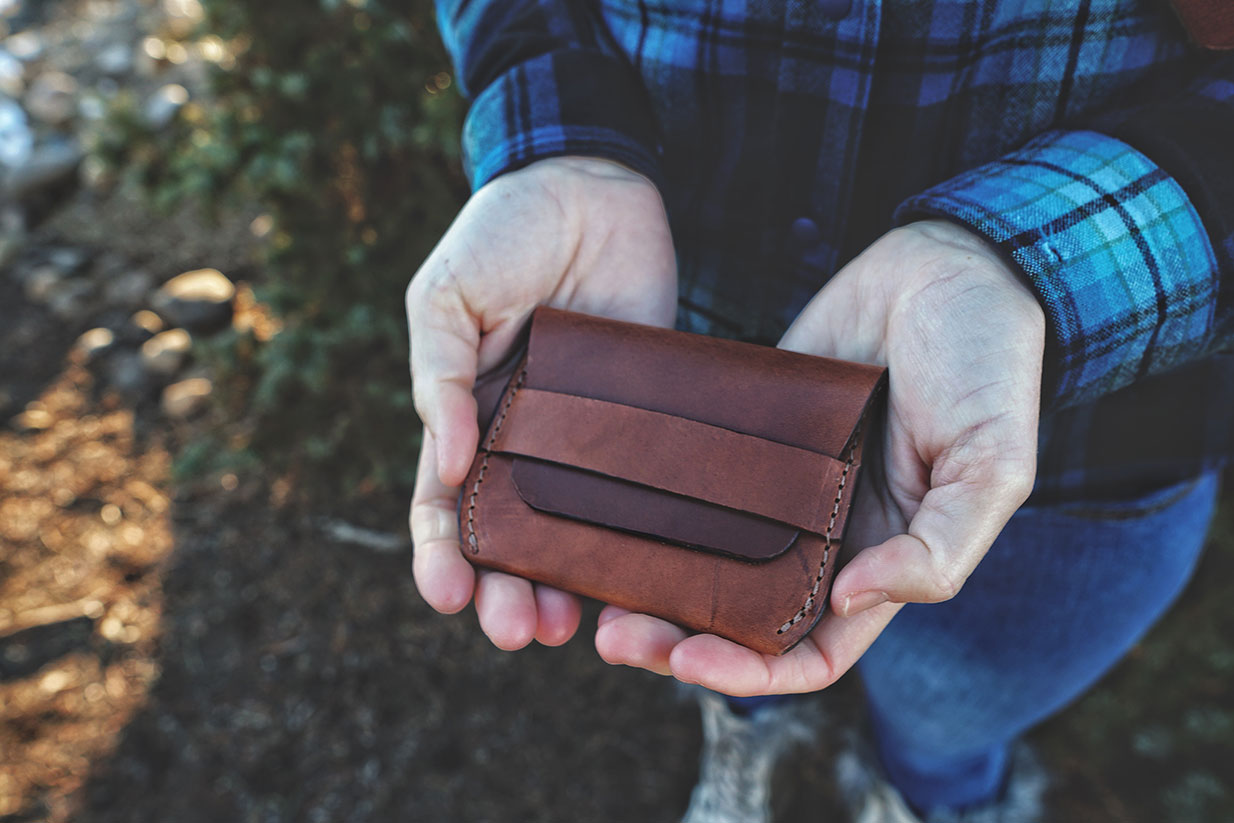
<point>338,118</point>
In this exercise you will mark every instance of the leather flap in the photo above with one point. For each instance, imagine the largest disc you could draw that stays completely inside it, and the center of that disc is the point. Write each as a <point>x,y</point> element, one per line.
<point>699,441</point>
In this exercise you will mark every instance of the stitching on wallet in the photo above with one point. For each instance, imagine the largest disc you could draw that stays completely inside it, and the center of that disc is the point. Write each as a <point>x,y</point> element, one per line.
<point>472,543</point>
<point>831,524</point>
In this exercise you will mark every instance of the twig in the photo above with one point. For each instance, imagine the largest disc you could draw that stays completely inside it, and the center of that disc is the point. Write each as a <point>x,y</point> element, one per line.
<point>341,531</point>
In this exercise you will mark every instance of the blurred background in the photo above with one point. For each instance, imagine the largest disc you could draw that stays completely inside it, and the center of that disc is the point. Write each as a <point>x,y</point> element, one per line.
<point>209,210</point>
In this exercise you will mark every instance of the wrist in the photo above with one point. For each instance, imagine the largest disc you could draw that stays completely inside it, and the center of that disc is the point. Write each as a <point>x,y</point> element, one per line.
<point>964,248</point>
<point>602,168</point>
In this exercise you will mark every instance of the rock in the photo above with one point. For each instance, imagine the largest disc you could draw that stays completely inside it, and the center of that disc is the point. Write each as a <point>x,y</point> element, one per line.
<point>166,352</point>
<point>147,321</point>
<point>68,259</point>
<point>12,75</point>
<point>52,98</point>
<point>71,300</point>
<point>50,163</point>
<point>164,104</point>
<point>115,59</point>
<point>25,46</point>
<point>32,420</point>
<point>92,107</point>
<point>42,282</point>
<point>16,138</point>
<point>197,300</point>
<point>93,343</point>
<point>127,288</point>
<point>125,373</point>
<point>188,397</point>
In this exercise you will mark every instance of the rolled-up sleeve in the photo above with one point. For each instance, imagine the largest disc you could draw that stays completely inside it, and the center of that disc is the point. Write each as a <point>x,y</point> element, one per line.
<point>544,81</point>
<point>1125,232</point>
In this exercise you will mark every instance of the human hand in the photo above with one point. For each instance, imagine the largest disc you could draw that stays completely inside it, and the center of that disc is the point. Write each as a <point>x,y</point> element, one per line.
<point>963,338</point>
<point>573,232</point>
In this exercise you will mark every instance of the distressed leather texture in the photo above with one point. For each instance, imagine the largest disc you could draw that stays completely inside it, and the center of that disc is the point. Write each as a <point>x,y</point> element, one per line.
<point>1210,23</point>
<point>701,480</point>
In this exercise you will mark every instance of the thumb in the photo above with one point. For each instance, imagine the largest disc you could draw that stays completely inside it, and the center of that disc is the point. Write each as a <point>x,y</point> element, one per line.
<point>445,341</point>
<point>947,537</point>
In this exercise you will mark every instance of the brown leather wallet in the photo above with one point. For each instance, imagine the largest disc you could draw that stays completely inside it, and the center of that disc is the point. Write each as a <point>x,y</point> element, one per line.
<point>701,480</point>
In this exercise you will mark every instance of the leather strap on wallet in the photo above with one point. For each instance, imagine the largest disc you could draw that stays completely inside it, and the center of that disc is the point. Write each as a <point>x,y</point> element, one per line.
<point>704,481</point>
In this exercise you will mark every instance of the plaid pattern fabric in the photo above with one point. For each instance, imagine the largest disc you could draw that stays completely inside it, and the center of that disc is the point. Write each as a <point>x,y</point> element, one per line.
<point>1109,242</point>
<point>1086,138</point>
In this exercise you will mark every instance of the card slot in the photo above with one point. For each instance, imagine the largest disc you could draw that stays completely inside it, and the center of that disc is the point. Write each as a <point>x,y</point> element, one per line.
<point>578,494</point>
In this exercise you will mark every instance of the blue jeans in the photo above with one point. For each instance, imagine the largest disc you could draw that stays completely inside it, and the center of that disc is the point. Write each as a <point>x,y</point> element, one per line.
<point>1064,592</point>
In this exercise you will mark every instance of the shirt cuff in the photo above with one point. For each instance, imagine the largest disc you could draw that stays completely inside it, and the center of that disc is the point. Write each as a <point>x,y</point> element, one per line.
<point>559,103</point>
<point>1110,243</point>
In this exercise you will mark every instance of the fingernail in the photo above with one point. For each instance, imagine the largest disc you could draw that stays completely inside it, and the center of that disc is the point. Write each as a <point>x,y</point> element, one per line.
<point>861,601</point>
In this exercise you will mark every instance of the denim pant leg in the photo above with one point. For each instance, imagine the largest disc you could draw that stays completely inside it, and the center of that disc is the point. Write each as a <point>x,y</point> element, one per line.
<point>1062,595</point>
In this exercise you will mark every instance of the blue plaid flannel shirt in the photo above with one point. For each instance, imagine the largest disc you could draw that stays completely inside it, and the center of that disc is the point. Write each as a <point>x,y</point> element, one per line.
<point>1087,139</point>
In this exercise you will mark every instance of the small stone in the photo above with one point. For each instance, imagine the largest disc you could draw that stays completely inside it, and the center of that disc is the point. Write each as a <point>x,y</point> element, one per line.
<point>25,46</point>
<point>52,98</point>
<point>94,342</point>
<point>115,59</point>
<point>12,75</point>
<point>186,398</point>
<point>42,282</point>
<point>111,628</point>
<point>69,259</point>
<point>111,514</point>
<point>49,164</point>
<point>55,681</point>
<point>147,321</point>
<point>34,420</point>
<point>196,300</point>
<point>165,353</point>
<point>92,107</point>
<point>71,299</point>
<point>16,138</point>
<point>164,104</point>
<point>127,288</point>
<point>125,373</point>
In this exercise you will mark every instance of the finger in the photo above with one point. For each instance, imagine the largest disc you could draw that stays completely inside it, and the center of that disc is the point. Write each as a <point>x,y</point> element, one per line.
<point>831,325</point>
<point>506,606</point>
<point>815,663</point>
<point>444,578</point>
<point>638,640</point>
<point>445,342</point>
<point>610,612</point>
<point>947,537</point>
<point>557,613</point>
